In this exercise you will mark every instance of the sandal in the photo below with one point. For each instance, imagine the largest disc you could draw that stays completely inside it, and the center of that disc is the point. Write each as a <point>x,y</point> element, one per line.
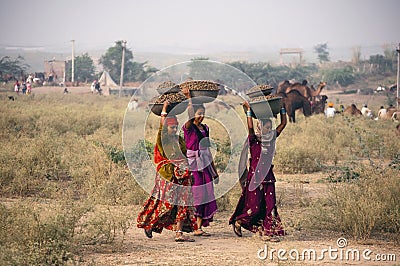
<point>148,233</point>
<point>271,238</point>
<point>237,229</point>
<point>275,239</point>
<point>202,233</point>
<point>181,238</point>
<point>260,231</point>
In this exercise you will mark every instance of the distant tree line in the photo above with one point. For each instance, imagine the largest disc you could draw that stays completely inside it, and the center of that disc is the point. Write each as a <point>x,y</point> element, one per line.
<point>345,74</point>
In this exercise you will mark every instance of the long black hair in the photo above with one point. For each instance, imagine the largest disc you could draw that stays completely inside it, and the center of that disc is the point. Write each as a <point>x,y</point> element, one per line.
<point>198,106</point>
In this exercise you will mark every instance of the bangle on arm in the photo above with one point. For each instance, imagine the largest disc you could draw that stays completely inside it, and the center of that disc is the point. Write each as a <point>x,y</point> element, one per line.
<point>164,113</point>
<point>283,111</point>
<point>249,113</point>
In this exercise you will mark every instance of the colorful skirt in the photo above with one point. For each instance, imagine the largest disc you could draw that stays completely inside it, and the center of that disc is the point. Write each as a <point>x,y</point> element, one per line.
<point>257,210</point>
<point>159,210</point>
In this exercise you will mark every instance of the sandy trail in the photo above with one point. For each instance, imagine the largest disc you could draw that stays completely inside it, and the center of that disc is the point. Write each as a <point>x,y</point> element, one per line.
<point>225,248</point>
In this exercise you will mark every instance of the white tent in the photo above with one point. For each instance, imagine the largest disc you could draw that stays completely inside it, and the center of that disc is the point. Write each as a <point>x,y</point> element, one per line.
<point>106,80</point>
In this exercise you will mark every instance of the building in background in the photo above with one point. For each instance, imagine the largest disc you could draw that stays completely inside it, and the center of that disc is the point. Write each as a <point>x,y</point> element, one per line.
<point>55,71</point>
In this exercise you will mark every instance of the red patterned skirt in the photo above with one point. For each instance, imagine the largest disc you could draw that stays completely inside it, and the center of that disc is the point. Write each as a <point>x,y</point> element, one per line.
<point>167,205</point>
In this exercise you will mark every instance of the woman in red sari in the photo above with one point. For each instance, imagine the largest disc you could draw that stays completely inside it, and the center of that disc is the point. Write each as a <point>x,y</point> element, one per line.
<point>256,210</point>
<point>172,185</point>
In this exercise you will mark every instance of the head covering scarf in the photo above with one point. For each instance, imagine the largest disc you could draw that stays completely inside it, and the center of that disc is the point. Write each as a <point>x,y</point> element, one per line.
<point>171,121</point>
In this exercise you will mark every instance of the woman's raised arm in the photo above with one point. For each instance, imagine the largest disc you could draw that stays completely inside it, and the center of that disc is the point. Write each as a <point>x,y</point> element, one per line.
<point>250,125</point>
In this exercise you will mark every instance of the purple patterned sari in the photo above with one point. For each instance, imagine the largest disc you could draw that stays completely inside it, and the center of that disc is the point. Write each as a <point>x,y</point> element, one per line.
<point>256,209</point>
<point>203,189</point>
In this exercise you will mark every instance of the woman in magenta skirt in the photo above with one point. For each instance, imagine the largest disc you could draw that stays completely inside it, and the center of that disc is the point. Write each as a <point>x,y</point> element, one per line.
<point>201,165</point>
<point>256,210</point>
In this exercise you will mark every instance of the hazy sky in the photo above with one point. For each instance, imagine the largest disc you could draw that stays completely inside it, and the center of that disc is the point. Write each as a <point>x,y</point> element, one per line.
<point>226,25</point>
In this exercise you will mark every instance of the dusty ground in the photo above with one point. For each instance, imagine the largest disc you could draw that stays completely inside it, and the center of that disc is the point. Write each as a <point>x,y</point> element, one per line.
<point>57,89</point>
<point>225,248</point>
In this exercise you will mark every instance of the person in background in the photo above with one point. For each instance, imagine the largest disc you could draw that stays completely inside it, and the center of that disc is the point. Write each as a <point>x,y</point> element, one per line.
<point>341,108</point>
<point>256,210</point>
<point>16,87</point>
<point>330,111</point>
<point>172,185</point>
<point>28,87</point>
<point>391,108</point>
<point>366,112</point>
<point>97,88</point>
<point>23,87</point>
<point>382,113</point>
<point>93,86</point>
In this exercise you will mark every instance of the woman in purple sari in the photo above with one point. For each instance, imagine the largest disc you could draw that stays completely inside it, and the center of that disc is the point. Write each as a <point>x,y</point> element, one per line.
<point>201,165</point>
<point>256,210</point>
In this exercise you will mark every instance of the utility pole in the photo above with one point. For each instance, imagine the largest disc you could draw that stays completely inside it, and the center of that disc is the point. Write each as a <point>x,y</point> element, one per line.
<point>398,75</point>
<point>73,62</point>
<point>121,80</point>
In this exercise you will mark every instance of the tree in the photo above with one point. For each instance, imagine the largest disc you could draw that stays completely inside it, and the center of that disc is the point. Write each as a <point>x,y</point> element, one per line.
<point>380,63</point>
<point>356,55</point>
<point>390,55</point>
<point>342,76</point>
<point>133,71</point>
<point>322,52</point>
<point>10,69</point>
<point>84,68</point>
<point>389,52</point>
<point>266,73</point>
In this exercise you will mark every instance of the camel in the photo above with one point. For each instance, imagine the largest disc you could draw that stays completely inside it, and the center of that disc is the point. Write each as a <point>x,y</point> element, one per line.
<point>305,90</point>
<point>390,113</point>
<point>292,101</point>
<point>352,110</point>
<point>318,104</point>
<point>283,86</point>
<point>396,116</point>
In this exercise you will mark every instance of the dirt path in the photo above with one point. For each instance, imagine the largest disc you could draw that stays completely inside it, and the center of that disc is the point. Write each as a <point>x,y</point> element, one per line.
<point>225,248</point>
